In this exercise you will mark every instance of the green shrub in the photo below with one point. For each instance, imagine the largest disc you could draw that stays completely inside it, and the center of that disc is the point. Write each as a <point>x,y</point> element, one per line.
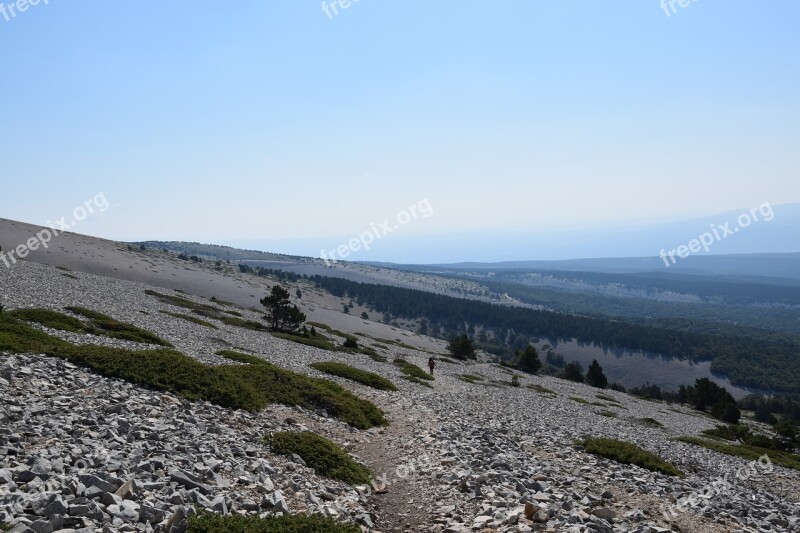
<point>317,342</point>
<point>87,313</point>
<point>118,330</point>
<point>242,357</point>
<point>191,319</point>
<point>350,343</point>
<point>412,379</point>
<point>319,453</point>
<point>290,388</point>
<point>647,421</point>
<point>542,390</point>
<point>515,381</point>
<point>732,432</point>
<point>342,370</point>
<point>629,454</point>
<point>608,414</point>
<point>206,522</point>
<point>784,459</point>
<point>462,347</point>
<point>412,370</point>
<point>250,387</point>
<point>607,398</point>
<point>470,378</point>
<point>52,319</point>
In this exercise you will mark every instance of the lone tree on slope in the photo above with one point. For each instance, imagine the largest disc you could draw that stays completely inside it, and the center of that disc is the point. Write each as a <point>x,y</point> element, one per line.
<point>573,371</point>
<point>462,347</point>
<point>281,314</point>
<point>595,376</point>
<point>529,360</point>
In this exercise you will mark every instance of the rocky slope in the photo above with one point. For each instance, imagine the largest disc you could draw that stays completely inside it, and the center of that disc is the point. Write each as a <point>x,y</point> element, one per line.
<point>84,452</point>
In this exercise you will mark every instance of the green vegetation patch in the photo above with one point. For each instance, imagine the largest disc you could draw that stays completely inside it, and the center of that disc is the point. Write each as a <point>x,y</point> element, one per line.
<point>115,329</point>
<point>317,342</point>
<point>608,414</point>
<point>629,454</point>
<point>206,522</point>
<point>242,357</point>
<point>607,398</point>
<point>370,379</point>
<point>412,379</point>
<point>319,453</point>
<point>192,319</point>
<point>241,323</point>
<point>52,319</point>
<point>230,318</point>
<point>652,422</point>
<point>333,331</point>
<point>250,387</point>
<point>410,369</point>
<point>542,390</point>
<point>586,402</point>
<point>470,378</point>
<point>785,459</point>
<point>100,324</point>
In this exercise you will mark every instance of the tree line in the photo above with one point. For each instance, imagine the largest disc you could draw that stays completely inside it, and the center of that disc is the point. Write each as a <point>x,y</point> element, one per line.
<point>765,365</point>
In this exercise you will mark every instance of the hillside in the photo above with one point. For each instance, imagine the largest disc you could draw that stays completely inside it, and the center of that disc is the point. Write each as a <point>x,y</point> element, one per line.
<point>86,449</point>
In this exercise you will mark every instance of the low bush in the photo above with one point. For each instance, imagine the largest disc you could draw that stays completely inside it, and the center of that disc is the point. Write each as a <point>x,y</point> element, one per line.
<point>370,379</point>
<point>52,319</point>
<point>784,459</point>
<point>629,454</point>
<point>206,522</point>
<point>740,432</point>
<point>652,422</point>
<point>412,379</point>
<point>115,329</point>
<point>542,390</point>
<point>412,370</point>
<point>350,343</point>
<point>606,398</point>
<point>250,387</point>
<point>191,319</point>
<point>470,378</point>
<point>316,341</point>
<point>242,357</point>
<point>319,453</point>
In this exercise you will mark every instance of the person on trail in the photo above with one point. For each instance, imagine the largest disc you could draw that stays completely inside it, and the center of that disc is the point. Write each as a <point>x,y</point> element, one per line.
<point>431,364</point>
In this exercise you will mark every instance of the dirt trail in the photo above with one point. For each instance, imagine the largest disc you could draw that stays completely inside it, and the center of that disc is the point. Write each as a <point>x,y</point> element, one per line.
<point>400,507</point>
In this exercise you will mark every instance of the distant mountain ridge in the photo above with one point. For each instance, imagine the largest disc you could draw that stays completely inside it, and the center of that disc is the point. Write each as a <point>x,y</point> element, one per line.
<point>784,267</point>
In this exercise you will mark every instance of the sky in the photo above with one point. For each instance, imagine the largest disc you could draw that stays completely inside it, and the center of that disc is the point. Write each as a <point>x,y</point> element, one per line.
<point>273,122</point>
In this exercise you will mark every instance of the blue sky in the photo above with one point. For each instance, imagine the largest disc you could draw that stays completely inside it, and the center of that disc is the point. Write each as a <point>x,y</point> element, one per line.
<point>270,121</point>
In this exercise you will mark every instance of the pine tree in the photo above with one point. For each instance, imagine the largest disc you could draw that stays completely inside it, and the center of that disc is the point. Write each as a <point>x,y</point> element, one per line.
<point>462,347</point>
<point>595,376</point>
<point>529,360</point>
<point>281,314</point>
<point>573,371</point>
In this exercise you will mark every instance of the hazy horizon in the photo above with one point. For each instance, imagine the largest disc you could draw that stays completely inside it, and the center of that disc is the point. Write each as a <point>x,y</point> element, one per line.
<point>277,122</point>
